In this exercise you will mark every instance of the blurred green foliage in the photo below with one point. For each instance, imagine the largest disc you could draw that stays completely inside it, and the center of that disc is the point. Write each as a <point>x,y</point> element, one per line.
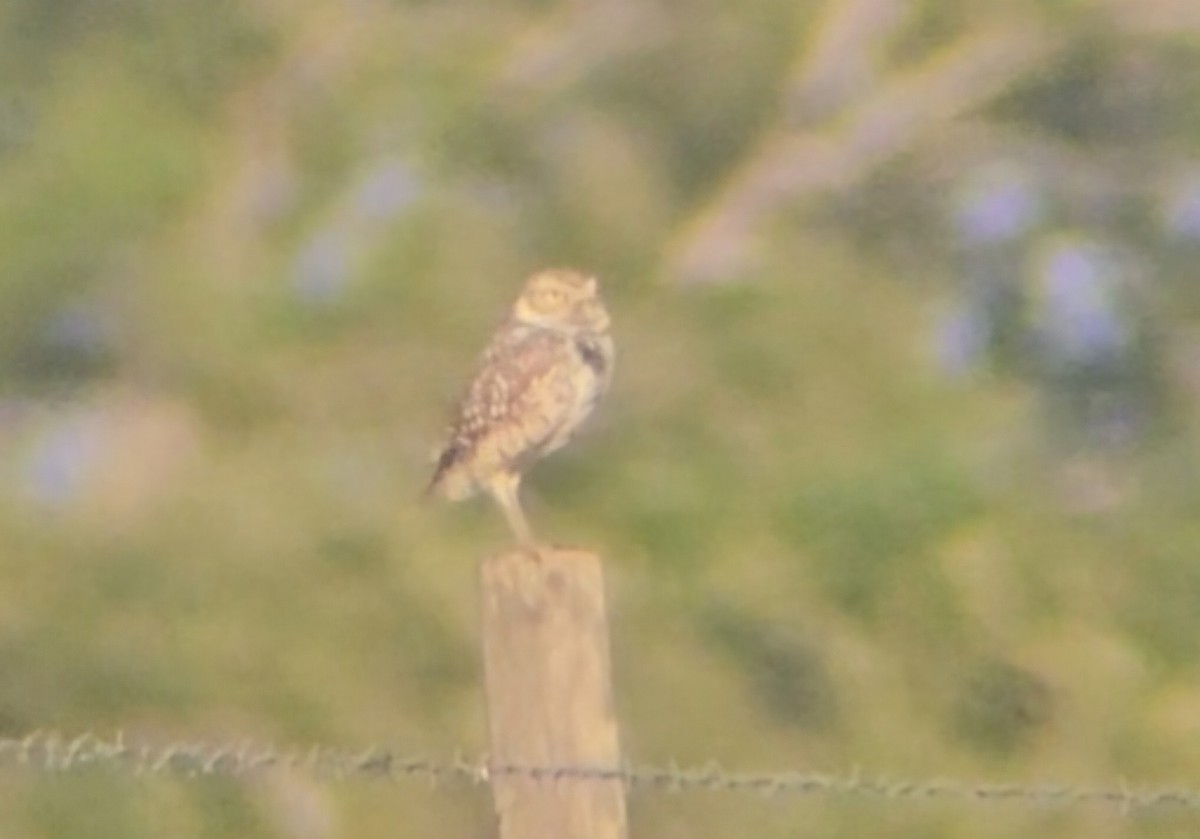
<point>248,252</point>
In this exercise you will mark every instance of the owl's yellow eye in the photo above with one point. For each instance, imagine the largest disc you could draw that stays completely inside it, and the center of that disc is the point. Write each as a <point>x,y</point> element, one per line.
<point>550,297</point>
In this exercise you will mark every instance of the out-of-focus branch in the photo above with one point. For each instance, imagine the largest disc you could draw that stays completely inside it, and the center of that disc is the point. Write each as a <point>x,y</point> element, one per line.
<point>1156,17</point>
<point>719,242</point>
<point>842,61</point>
<point>555,53</point>
<point>257,159</point>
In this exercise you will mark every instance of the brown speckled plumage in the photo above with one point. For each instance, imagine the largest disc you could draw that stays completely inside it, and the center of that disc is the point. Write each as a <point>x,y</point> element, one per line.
<point>540,377</point>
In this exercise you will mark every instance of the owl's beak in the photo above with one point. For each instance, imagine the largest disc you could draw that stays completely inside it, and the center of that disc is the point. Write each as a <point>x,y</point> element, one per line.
<point>600,318</point>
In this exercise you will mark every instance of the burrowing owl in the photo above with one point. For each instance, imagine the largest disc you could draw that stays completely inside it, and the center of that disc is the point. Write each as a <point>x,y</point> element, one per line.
<point>540,377</point>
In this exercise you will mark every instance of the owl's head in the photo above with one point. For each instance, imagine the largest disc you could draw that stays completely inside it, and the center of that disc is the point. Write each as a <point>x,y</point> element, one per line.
<point>562,299</point>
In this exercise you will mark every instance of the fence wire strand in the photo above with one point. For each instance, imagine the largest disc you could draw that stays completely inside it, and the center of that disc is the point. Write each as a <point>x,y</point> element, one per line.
<point>51,752</point>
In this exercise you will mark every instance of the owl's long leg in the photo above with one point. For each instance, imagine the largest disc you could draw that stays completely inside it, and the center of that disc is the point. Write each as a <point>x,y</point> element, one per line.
<point>505,488</point>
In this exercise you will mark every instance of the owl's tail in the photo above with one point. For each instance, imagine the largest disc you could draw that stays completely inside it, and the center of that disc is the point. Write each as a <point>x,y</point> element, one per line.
<point>447,481</point>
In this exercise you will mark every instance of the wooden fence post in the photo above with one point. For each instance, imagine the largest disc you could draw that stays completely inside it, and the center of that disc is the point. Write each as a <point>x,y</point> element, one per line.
<point>549,694</point>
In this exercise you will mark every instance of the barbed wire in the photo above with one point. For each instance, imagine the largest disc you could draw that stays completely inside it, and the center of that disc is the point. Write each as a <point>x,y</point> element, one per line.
<point>51,752</point>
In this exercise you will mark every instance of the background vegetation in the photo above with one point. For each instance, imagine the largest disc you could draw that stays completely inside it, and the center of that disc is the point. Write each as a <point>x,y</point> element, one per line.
<point>900,469</point>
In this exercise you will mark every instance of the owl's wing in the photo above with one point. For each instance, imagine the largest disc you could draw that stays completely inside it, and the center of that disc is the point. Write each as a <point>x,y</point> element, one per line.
<point>521,396</point>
